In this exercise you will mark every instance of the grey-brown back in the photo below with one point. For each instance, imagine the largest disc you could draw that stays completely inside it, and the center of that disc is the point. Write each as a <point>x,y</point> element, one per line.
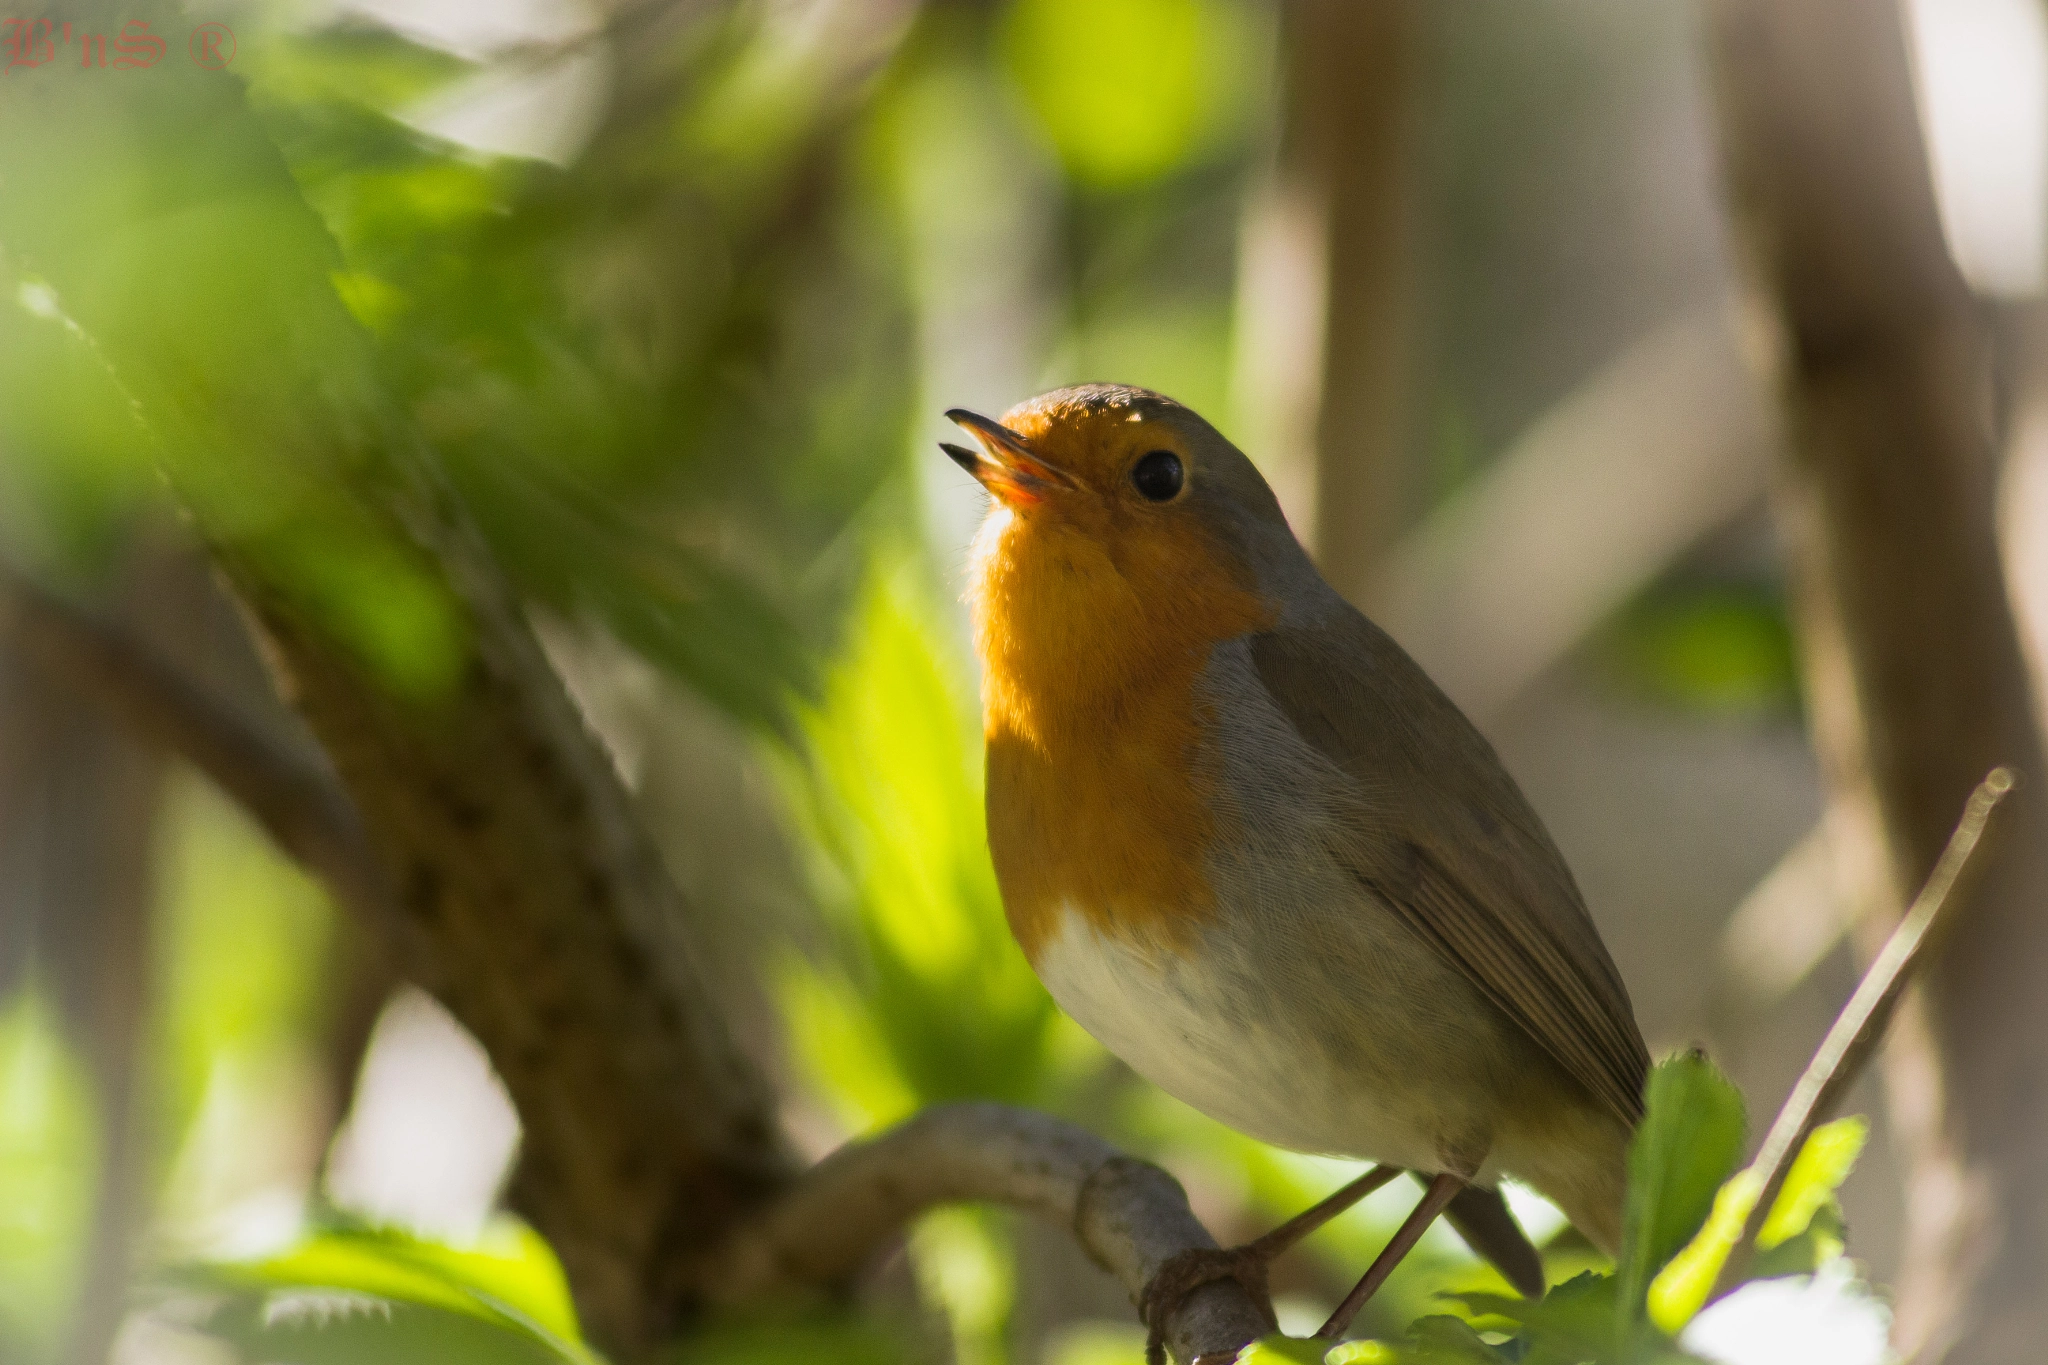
<point>1436,827</point>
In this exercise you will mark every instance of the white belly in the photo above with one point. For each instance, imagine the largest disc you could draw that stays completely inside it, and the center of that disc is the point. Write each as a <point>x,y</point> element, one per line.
<point>1300,1073</point>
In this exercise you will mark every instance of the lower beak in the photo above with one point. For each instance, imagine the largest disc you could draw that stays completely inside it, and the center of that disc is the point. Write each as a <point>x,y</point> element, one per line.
<point>1005,465</point>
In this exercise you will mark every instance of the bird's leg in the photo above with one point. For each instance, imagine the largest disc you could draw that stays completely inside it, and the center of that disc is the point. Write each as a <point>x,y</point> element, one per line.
<point>1441,1192</point>
<point>1185,1272</point>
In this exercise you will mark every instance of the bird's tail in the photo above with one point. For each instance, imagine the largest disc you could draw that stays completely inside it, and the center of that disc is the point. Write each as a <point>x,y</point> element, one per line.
<point>1482,1218</point>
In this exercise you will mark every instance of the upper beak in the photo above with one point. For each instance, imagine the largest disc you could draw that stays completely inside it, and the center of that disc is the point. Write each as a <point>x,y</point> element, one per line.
<point>1009,469</point>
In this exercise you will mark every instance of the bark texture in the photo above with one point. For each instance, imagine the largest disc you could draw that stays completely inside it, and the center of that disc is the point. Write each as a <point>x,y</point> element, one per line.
<point>1916,682</point>
<point>535,908</point>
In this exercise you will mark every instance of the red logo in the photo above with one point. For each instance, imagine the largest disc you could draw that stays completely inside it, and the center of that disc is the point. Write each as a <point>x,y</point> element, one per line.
<point>27,42</point>
<point>37,42</point>
<point>213,46</point>
<point>135,46</point>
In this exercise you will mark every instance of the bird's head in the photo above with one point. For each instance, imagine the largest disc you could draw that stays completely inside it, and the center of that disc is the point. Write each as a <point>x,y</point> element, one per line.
<point>1123,530</point>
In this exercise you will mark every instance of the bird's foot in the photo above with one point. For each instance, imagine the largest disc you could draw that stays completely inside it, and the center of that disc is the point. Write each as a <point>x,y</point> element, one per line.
<point>1186,1271</point>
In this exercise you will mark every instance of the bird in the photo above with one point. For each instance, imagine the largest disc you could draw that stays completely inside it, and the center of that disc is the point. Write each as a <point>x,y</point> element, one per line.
<point>1248,844</point>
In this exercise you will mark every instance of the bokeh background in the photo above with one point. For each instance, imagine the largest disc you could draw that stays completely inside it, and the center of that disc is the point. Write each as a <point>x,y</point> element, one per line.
<point>678,290</point>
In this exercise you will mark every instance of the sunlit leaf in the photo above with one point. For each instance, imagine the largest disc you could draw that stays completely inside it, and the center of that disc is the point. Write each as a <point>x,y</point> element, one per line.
<point>1804,1206</point>
<point>78,464</point>
<point>1280,1349</point>
<point>1683,1285</point>
<point>361,1275</point>
<point>193,266</point>
<point>1362,1353</point>
<point>329,1327</point>
<point>1823,1163</point>
<point>1690,1141</point>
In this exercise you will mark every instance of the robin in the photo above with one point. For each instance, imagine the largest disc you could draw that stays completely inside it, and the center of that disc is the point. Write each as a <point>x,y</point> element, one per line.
<point>1249,845</point>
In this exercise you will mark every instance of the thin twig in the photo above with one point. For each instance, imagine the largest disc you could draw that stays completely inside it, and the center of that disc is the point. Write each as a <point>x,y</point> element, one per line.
<point>1128,1215</point>
<point>1861,1024</point>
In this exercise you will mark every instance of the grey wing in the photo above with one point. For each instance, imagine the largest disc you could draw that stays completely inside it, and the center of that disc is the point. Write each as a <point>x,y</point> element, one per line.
<point>1448,841</point>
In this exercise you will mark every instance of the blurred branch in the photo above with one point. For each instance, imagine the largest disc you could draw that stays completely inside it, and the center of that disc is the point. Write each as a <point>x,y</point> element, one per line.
<point>1666,443</point>
<point>1910,653</point>
<point>1128,1215</point>
<point>81,802</point>
<point>298,803</point>
<point>1346,150</point>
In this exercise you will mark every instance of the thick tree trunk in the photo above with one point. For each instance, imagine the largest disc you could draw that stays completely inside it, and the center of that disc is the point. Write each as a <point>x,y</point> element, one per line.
<point>1914,672</point>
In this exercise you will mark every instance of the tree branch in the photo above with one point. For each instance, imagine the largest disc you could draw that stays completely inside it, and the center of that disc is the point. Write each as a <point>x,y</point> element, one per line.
<point>297,802</point>
<point>1128,1215</point>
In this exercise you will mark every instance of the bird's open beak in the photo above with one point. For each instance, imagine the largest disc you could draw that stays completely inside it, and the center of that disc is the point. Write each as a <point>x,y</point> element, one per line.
<point>1005,465</point>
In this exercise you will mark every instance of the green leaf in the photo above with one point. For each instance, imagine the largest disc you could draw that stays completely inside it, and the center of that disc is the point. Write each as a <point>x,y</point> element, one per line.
<point>1690,1141</point>
<point>508,1280</point>
<point>1280,1349</point>
<point>312,1327</point>
<point>1445,1340</point>
<point>1683,1285</point>
<point>1817,1172</point>
<point>1574,1322</point>
<point>1800,1232</point>
<point>201,278</point>
<point>1821,1241</point>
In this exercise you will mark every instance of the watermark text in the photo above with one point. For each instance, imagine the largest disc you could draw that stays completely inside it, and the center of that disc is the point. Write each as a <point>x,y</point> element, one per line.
<point>30,43</point>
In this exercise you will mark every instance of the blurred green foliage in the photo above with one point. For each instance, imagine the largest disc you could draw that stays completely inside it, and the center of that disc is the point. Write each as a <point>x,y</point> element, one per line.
<point>1710,647</point>
<point>1129,90</point>
<point>924,996</point>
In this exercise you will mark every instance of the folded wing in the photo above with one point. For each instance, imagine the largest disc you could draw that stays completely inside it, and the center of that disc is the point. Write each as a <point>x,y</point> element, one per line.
<point>1441,834</point>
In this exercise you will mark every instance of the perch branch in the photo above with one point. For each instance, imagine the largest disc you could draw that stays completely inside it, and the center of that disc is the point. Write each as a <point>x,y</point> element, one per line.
<point>1856,1030</point>
<point>1128,1215</point>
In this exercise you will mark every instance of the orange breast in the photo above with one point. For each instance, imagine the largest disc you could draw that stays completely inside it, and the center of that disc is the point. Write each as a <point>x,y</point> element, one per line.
<point>1096,798</point>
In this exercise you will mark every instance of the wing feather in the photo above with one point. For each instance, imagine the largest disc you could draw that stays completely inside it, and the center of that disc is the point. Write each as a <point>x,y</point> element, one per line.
<point>1443,836</point>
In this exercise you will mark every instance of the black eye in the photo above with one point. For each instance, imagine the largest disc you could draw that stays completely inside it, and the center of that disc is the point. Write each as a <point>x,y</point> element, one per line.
<point>1157,475</point>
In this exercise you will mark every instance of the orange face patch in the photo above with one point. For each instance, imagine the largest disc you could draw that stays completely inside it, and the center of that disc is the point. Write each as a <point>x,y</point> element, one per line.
<point>1095,611</point>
